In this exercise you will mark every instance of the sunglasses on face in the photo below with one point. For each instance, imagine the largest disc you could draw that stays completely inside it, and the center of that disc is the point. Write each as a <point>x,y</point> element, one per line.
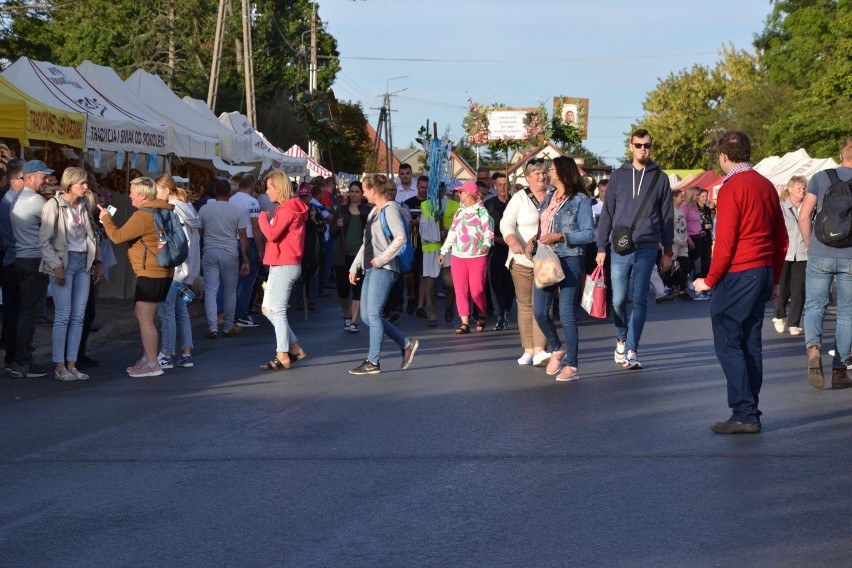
<point>639,146</point>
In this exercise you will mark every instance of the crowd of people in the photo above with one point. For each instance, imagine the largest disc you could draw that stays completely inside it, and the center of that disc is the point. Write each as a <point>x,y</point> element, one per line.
<point>292,243</point>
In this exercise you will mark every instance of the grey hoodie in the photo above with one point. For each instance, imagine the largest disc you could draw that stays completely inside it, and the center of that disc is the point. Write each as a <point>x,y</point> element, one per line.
<point>656,225</point>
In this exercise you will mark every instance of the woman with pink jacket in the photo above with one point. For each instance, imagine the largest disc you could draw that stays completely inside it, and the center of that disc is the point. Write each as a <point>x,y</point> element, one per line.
<point>285,235</point>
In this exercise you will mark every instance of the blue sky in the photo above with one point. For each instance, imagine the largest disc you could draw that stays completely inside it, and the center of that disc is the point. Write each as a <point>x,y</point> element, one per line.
<point>521,53</point>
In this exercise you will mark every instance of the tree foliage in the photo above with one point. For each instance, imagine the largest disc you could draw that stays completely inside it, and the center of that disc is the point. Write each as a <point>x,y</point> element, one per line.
<point>175,40</point>
<point>793,92</point>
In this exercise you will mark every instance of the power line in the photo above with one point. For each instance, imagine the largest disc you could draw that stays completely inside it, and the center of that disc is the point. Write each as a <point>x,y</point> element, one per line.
<point>527,60</point>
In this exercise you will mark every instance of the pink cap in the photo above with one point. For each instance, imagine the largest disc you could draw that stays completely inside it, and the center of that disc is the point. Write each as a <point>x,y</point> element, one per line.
<point>468,186</point>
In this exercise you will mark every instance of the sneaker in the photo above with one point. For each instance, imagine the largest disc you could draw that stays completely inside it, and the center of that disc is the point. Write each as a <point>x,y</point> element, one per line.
<point>568,374</point>
<point>701,296</point>
<point>632,361</point>
<point>366,368</point>
<point>525,359</point>
<point>501,324</point>
<point>353,328</point>
<point>669,292</point>
<point>347,325</point>
<point>779,324</point>
<point>665,298</point>
<point>232,332</point>
<point>145,369</point>
<point>421,313</point>
<point>137,363</point>
<point>540,359</point>
<point>684,296</point>
<point>212,334</point>
<point>391,315</point>
<point>848,363</point>
<point>27,371</point>
<point>619,353</point>
<point>555,363</point>
<point>408,353</point>
<point>246,322</point>
<point>410,307</point>
<point>795,330</point>
<point>733,427</point>
<point>78,375</point>
<point>63,375</point>
<point>185,361</point>
<point>165,361</point>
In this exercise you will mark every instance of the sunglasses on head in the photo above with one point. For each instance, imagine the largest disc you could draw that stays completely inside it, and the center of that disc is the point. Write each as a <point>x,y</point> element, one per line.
<point>534,161</point>
<point>639,145</point>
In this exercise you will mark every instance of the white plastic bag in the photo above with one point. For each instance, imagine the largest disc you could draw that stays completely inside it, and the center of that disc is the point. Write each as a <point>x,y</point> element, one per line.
<point>546,267</point>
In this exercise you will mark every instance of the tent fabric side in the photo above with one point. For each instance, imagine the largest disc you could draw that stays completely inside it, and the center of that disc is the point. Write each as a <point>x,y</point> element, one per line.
<point>264,151</point>
<point>315,168</point>
<point>22,117</point>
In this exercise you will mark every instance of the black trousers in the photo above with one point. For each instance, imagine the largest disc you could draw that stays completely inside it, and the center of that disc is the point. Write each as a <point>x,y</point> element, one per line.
<point>792,289</point>
<point>33,293</point>
<point>500,278</point>
<point>11,310</point>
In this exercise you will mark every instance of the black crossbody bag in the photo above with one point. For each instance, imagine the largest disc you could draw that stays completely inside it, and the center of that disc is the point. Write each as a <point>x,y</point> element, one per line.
<point>622,237</point>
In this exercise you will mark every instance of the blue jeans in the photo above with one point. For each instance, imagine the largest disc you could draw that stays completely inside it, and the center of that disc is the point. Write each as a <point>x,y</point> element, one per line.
<point>245,284</point>
<point>174,317</point>
<point>374,294</point>
<point>736,312</point>
<point>639,265</point>
<point>275,299</point>
<point>70,302</point>
<point>569,288</point>
<point>820,272</point>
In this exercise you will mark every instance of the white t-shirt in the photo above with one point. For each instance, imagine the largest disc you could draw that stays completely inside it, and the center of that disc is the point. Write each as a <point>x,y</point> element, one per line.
<point>221,222</point>
<point>250,208</point>
<point>403,195</point>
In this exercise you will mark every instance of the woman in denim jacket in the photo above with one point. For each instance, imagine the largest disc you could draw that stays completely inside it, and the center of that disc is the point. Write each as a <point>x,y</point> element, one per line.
<point>566,224</point>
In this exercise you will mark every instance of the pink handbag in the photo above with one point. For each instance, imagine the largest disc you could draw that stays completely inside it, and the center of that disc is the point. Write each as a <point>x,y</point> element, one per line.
<point>594,294</point>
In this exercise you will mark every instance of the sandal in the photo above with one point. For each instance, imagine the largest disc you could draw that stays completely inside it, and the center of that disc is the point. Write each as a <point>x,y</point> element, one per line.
<point>480,325</point>
<point>298,356</point>
<point>463,329</point>
<point>275,365</point>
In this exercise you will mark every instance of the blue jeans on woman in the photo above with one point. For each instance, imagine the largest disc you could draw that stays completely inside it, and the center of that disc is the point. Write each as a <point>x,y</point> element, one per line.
<point>818,276</point>
<point>638,265</point>
<point>174,317</point>
<point>374,294</point>
<point>279,284</point>
<point>69,300</point>
<point>569,289</point>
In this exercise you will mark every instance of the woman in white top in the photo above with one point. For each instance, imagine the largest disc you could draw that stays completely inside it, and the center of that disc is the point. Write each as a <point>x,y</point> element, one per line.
<point>69,250</point>
<point>519,226</point>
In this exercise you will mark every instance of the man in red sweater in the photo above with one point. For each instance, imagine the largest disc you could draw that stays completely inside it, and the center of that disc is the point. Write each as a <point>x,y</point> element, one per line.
<point>751,242</point>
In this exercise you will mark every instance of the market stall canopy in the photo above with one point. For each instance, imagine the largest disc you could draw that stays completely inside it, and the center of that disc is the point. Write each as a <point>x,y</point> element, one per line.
<point>110,125</point>
<point>265,152</point>
<point>151,89</point>
<point>23,117</point>
<point>313,166</point>
<point>779,170</point>
<point>183,140</point>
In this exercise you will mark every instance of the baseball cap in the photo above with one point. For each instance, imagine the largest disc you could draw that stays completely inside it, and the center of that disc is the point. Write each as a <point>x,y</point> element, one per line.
<point>36,166</point>
<point>468,186</point>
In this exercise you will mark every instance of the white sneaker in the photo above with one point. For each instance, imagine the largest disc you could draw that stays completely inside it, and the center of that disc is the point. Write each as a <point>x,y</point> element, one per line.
<point>540,359</point>
<point>525,359</point>
<point>779,324</point>
<point>795,330</point>
<point>632,361</point>
<point>165,361</point>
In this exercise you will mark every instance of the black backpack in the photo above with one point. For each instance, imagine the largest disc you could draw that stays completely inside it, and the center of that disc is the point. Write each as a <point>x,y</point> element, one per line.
<point>833,222</point>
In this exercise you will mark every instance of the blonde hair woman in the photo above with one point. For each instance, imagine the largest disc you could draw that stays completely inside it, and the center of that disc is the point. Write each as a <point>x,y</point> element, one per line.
<point>69,250</point>
<point>285,235</point>
<point>152,280</point>
<point>174,315</point>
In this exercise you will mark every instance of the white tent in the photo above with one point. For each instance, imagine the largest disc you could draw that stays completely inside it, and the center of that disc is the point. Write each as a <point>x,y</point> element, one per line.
<point>265,152</point>
<point>111,124</point>
<point>779,170</point>
<point>151,89</point>
<point>314,167</point>
<point>185,142</point>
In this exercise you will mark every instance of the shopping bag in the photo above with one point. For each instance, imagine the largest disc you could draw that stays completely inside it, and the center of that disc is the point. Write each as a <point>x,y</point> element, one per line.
<point>594,294</point>
<point>547,269</point>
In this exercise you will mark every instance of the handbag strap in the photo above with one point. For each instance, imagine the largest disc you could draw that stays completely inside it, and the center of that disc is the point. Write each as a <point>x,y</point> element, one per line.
<point>644,200</point>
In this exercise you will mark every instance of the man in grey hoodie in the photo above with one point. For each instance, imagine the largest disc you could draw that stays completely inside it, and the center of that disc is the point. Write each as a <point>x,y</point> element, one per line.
<point>628,187</point>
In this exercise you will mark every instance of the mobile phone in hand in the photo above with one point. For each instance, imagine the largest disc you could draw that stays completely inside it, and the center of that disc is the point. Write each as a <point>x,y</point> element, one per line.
<point>111,209</point>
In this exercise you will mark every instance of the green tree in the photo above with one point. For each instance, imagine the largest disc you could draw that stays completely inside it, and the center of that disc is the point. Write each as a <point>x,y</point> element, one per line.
<point>806,47</point>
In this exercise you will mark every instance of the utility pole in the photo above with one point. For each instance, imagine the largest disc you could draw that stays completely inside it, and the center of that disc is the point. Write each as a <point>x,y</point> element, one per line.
<point>213,86</point>
<point>313,148</point>
<point>248,63</point>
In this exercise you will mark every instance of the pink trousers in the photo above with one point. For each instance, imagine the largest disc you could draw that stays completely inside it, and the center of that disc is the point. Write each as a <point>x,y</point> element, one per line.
<point>469,280</point>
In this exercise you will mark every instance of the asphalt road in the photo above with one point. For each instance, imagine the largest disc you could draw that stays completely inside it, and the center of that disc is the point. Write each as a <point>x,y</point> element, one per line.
<point>465,459</point>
